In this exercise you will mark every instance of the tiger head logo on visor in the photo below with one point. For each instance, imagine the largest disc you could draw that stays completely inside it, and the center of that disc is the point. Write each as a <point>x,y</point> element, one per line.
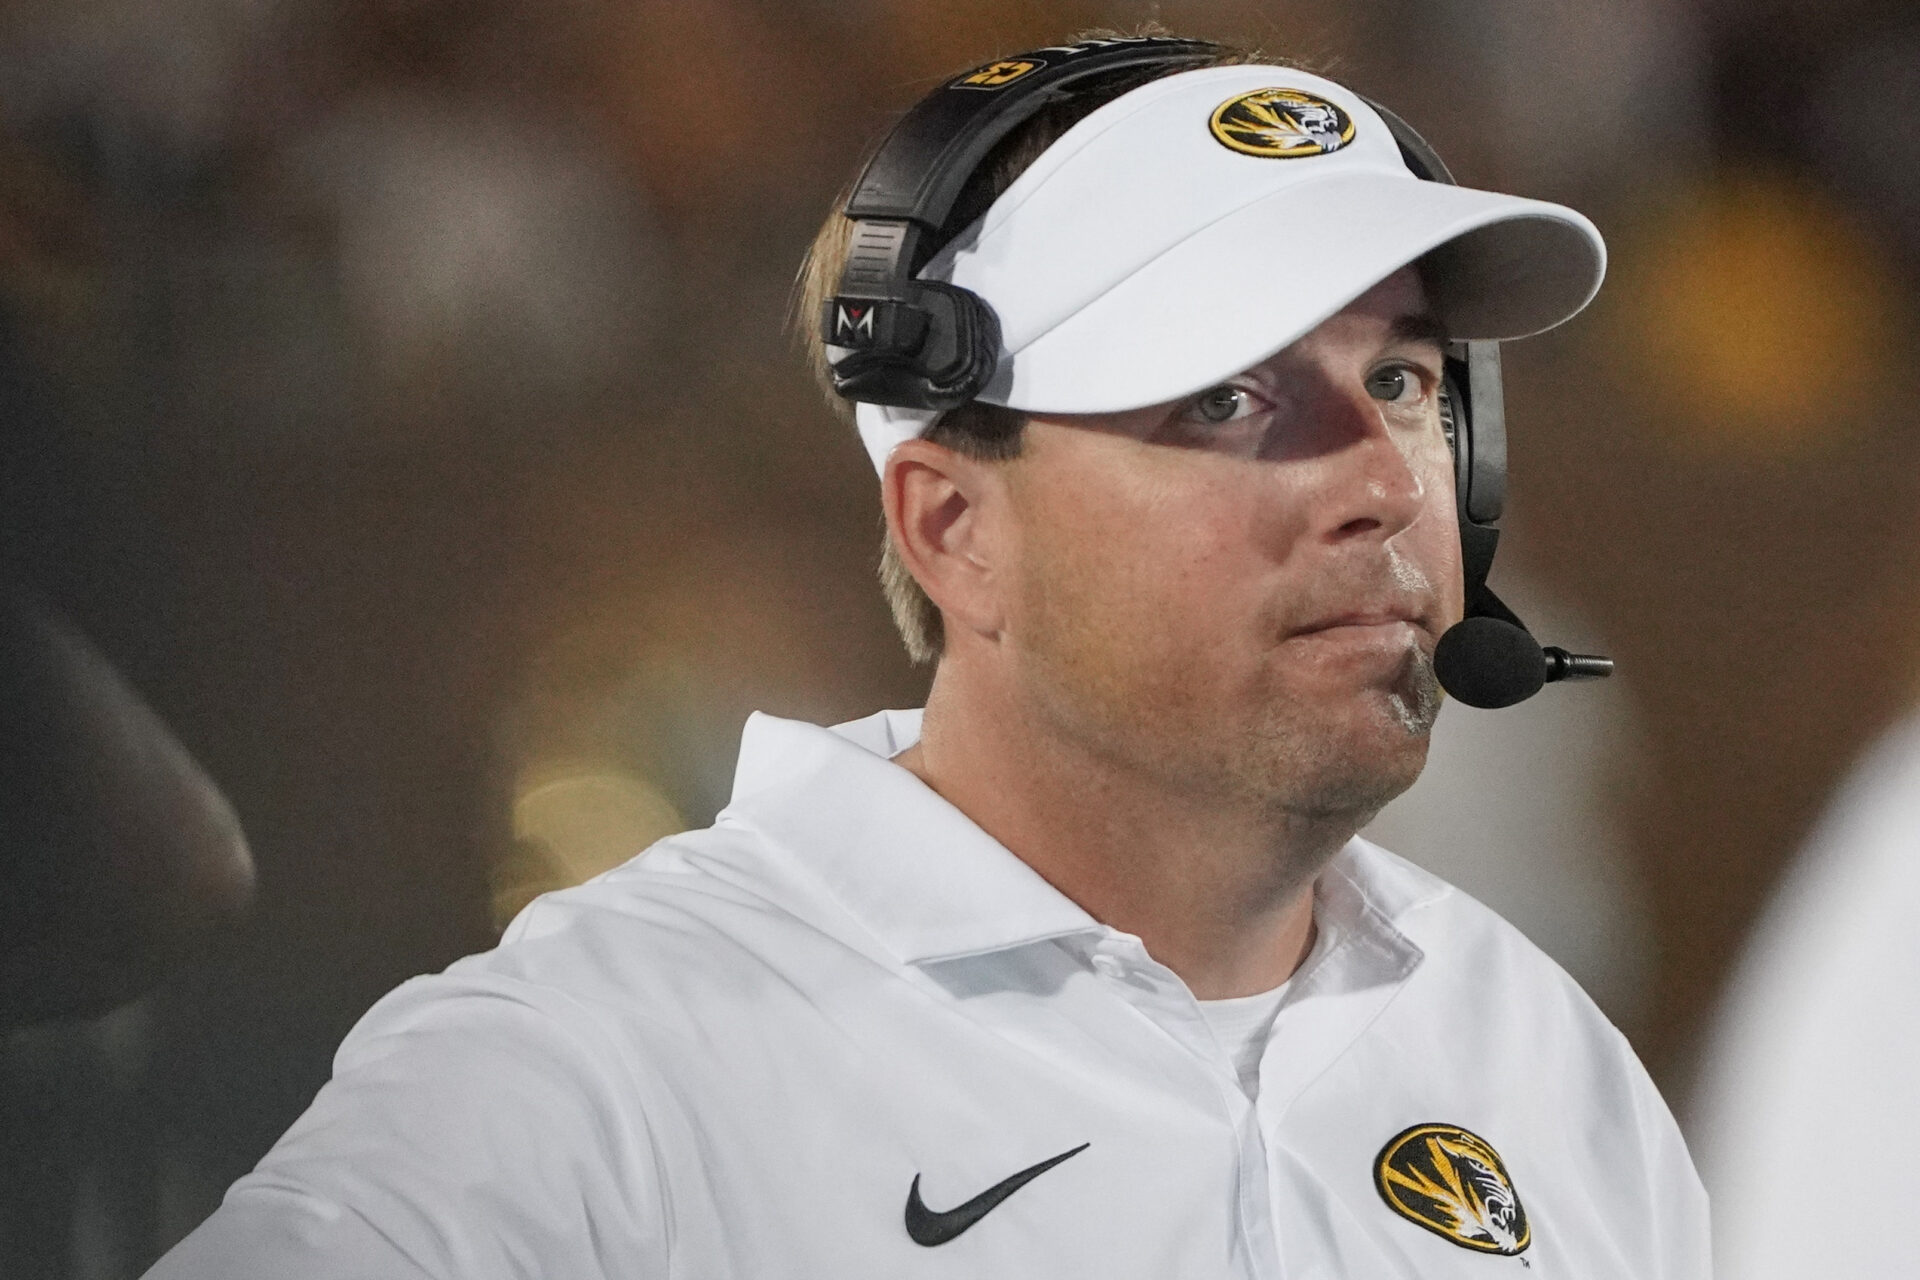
<point>1281,124</point>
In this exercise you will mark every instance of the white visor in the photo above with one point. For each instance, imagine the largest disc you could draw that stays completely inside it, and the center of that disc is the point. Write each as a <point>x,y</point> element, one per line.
<point>1190,229</point>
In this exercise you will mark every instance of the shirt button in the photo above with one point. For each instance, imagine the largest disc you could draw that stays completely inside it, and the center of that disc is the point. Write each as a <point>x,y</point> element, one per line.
<point>1107,967</point>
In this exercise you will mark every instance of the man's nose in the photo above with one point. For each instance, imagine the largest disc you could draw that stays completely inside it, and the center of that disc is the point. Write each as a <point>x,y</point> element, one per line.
<point>1373,485</point>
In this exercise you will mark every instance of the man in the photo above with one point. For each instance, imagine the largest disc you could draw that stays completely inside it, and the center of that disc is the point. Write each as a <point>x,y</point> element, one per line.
<point>1081,972</point>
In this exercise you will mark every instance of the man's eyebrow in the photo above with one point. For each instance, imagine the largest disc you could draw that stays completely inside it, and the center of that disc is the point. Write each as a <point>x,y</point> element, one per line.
<point>1423,326</point>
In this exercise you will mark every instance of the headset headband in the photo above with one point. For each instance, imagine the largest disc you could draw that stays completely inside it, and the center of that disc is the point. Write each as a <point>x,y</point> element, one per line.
<point>919,171</point>
<point>896,340</point>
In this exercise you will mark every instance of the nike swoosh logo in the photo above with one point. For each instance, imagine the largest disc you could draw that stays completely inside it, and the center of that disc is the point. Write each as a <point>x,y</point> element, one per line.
<point>929,1228</point>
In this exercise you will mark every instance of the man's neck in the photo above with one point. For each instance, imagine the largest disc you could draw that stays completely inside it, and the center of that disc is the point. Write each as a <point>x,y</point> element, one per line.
<point>1220,895</point>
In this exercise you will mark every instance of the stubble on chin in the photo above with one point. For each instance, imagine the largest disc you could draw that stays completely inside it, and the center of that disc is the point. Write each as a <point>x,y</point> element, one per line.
<point>1339,772</point>
<point>1415,698</point>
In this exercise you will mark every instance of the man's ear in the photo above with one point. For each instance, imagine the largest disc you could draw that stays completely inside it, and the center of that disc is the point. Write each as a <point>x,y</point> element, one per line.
<point>944,514</point>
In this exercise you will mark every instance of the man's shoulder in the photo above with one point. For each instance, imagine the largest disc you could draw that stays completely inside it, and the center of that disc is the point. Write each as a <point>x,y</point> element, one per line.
<point>1449,924</point>
<point>1476,968</point>
<point>671,930</point>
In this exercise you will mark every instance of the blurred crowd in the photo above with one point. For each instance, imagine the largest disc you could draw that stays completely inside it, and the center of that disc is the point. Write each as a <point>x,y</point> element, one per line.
<point>399,392</point>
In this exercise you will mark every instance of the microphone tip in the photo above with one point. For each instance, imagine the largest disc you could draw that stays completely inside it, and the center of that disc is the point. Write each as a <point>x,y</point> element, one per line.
<point>1489,663</point>
<point>1562,665</point>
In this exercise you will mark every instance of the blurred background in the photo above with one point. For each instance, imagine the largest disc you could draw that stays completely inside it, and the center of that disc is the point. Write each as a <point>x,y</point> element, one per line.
<point>397,392</point>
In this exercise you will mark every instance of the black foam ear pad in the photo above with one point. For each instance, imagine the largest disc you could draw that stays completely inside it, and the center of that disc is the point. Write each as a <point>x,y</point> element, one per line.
<point>962,346</point>
<point>932,346</point>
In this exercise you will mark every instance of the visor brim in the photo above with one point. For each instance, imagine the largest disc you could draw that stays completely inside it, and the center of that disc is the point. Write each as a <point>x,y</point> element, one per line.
<point>1257,280</point>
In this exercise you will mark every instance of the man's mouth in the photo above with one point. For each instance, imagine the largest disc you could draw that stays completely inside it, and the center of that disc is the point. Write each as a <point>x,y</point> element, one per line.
<point>1390,624</point>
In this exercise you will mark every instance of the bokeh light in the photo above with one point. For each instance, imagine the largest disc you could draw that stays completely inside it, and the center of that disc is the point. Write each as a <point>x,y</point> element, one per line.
<point>572,821</point>
<point>1759,313</point>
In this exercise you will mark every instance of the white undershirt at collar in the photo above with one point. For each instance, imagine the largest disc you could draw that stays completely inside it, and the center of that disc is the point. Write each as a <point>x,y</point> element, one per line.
<point>1242,1024</point>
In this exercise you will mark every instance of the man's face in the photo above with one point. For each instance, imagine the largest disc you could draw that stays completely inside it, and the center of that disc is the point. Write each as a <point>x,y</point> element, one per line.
<point>1239,594</point>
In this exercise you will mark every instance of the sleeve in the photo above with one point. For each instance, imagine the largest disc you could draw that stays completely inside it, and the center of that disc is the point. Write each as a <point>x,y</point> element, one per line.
<point>1678,1231</point>
<point>1633,1161</point>
<point>475,1128</point>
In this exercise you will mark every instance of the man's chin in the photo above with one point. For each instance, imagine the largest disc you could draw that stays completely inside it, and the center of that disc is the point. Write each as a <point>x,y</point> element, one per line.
<point>1403,692</point>
<point>1357,778</point>
<point>1372,750</point>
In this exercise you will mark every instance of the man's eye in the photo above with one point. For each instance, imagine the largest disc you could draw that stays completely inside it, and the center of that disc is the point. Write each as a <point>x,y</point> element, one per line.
<point>1223,404</point>
<point>1396,384</point>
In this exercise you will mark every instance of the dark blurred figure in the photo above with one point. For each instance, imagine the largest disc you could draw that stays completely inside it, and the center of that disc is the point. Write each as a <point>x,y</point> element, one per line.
<point>119,858</point>
<point>117,852</point>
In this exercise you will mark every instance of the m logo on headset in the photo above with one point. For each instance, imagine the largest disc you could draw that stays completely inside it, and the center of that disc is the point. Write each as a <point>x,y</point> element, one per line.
<point>852,326</point>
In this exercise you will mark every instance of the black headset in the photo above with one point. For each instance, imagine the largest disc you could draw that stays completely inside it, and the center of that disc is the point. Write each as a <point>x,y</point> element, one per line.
<point>896,340</point>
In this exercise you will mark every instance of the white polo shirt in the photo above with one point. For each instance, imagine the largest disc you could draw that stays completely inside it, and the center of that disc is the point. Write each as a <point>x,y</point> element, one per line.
<point>844,1016</point>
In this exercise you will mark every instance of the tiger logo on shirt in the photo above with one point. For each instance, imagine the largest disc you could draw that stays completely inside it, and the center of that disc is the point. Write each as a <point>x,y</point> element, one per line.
<point>1452,1182</point>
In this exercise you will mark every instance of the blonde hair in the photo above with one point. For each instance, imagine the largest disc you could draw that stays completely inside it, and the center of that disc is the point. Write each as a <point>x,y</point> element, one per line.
<point>975,429</point>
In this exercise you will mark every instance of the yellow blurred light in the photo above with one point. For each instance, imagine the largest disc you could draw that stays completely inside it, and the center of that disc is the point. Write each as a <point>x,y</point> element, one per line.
<point>1760,316</point>
<point>570,823</point>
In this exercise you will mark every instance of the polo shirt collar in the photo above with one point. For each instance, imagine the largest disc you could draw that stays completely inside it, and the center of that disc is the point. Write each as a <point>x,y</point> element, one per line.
<point>925,880</point>
<point>919,874</point>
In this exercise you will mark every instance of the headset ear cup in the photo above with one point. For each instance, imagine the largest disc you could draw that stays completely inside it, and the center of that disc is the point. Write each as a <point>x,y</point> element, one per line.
<point>962,348</point>
<point>1477,540</point>
<point>1456,422</point>
<point>931,346</point>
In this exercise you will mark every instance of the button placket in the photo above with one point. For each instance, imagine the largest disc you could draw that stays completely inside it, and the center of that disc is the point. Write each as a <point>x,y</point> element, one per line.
<point>1166,1001</point>
<point>1160,994</point>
